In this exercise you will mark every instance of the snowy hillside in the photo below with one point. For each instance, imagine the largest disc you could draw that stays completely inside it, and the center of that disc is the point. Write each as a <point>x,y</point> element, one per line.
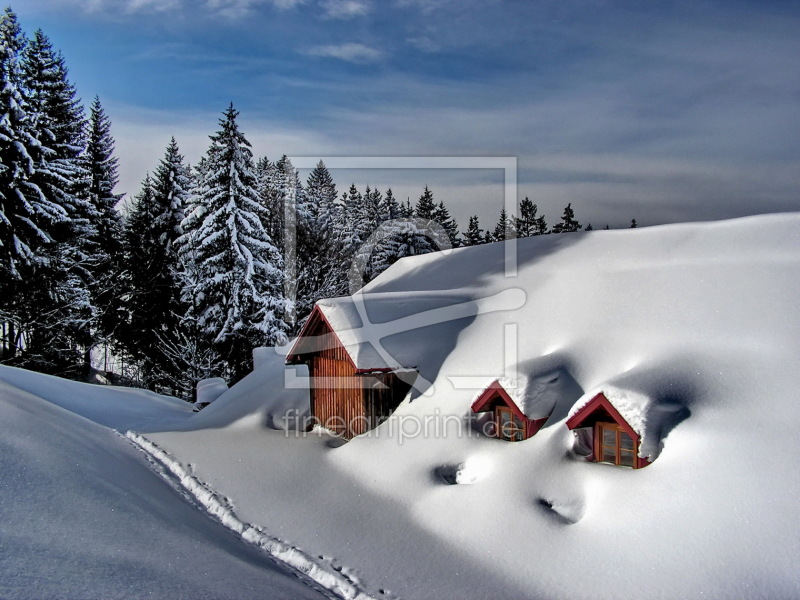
<point>696,323</point>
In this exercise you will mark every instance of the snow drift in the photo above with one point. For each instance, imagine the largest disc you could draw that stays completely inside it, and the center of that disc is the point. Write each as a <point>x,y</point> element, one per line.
<point>695,323</point>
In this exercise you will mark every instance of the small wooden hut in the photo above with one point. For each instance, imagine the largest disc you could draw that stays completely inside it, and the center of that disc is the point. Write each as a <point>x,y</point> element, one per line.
<point>353,389</point>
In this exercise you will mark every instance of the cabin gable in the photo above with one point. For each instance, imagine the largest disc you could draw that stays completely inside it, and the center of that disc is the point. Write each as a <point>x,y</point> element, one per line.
<point>509,422</point>
<point>344,399</point>
<point>603,435</point>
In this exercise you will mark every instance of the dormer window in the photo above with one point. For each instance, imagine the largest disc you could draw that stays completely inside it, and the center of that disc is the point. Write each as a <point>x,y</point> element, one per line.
<point>604,435</point>
<point>615,446</point>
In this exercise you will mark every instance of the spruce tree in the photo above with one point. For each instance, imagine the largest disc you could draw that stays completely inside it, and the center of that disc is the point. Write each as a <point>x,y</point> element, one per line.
<point>526,223</point>
<point>442,216</point>
<point>568,223</point>
<point>473,236</point>
<point>425,207</point>
<point>58,282</point>
<point>320,272</point>
<point>504,229</point>
<point>27,215</point>
<point>390,208</point>
<point>238,301</point>
<point>153,307</point>
<point>321,197</point>
<point>407,237</point>
<point>104,244</point>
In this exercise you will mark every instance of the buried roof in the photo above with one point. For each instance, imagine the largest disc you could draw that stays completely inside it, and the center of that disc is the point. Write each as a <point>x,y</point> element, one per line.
<point>379,331</point>
<point>533,395</point>
<point>648,419</point>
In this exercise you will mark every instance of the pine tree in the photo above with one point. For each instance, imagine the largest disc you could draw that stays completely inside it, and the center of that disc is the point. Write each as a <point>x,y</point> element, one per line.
<point>526,223</point>
<point>238,301</point>
<point>390,209</point>
<point>172,188</point>
<point>408,237</point>
<point>57,285</point>
<point>27,215</point>
<point>540,226</point>
<point>153,306</point>
<point>633,224</point>
<point>504,229</point>
<point>425,205</point>
<point>270,188</point>
<point>589,227</point>
<point>442,216</point>
<point>321,196</point>
<point>320,272</point>
<point>104,244</point>
<point>473,236</point>
<point>568,223</point>
<point>355,226</point>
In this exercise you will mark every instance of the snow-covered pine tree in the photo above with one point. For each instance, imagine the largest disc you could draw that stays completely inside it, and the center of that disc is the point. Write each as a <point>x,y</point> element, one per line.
<point>153,306</point>
<point>407,237</point>
<point>320,271</point>
<point>27,216</point>
<point>442,216</point>
<point>104,246</point>
<point>238,298</point>
<point>373,202</point>
<point>354,228</point>
<point>58,283</point>
<point>473,236</point>
<point>172,189</point>
<point>321,197</point>
<point>568,223</point>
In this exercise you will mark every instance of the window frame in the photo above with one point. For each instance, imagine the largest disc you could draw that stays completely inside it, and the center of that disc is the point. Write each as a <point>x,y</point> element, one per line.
<point>619,451</point>
<point>519,426</point>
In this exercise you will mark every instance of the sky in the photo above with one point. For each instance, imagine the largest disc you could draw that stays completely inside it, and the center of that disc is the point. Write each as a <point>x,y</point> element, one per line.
<point>659,111</point>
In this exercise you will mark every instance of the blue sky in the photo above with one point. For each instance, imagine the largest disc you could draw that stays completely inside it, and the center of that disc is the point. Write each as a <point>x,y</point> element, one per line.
<point>659,111</point>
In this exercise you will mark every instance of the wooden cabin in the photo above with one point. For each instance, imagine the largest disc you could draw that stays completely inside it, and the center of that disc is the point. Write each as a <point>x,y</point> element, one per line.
<point>604,435</point>
<point>509,421</point>
<point>352,389</point>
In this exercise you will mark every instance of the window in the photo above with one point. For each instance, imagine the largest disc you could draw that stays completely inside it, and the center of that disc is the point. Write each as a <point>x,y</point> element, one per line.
<point>615,446</point>
<point>509,426</point>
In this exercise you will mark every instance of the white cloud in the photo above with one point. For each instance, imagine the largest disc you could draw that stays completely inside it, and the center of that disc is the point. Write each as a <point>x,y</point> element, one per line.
<point>227,8</point>
<point>345,9</point>
<point>351,52</point>
<point>236,9</point>
<point>424,43</point>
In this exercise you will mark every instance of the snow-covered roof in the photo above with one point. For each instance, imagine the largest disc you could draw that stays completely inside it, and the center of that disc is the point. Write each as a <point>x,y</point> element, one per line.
<point>639,410</point>
<point>384,331</point>
<point>536,395</point>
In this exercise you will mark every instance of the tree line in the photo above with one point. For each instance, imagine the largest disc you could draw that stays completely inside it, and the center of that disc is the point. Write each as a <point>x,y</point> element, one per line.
<point>204,263</point>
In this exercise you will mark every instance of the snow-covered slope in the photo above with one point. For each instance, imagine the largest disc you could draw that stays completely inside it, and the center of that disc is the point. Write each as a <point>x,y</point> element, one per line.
<point>83,514</point>
<point>698,320</point>
<point>693,329</point>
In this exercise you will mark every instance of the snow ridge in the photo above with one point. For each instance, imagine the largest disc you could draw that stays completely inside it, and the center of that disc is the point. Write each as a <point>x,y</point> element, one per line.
<point>327,576</point>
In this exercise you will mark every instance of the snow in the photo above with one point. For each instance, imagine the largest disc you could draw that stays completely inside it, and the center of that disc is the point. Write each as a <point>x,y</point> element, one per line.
<point>210,389</point>
<point>85,516</point>
<point>115,407</point>
<point>692,330</point>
